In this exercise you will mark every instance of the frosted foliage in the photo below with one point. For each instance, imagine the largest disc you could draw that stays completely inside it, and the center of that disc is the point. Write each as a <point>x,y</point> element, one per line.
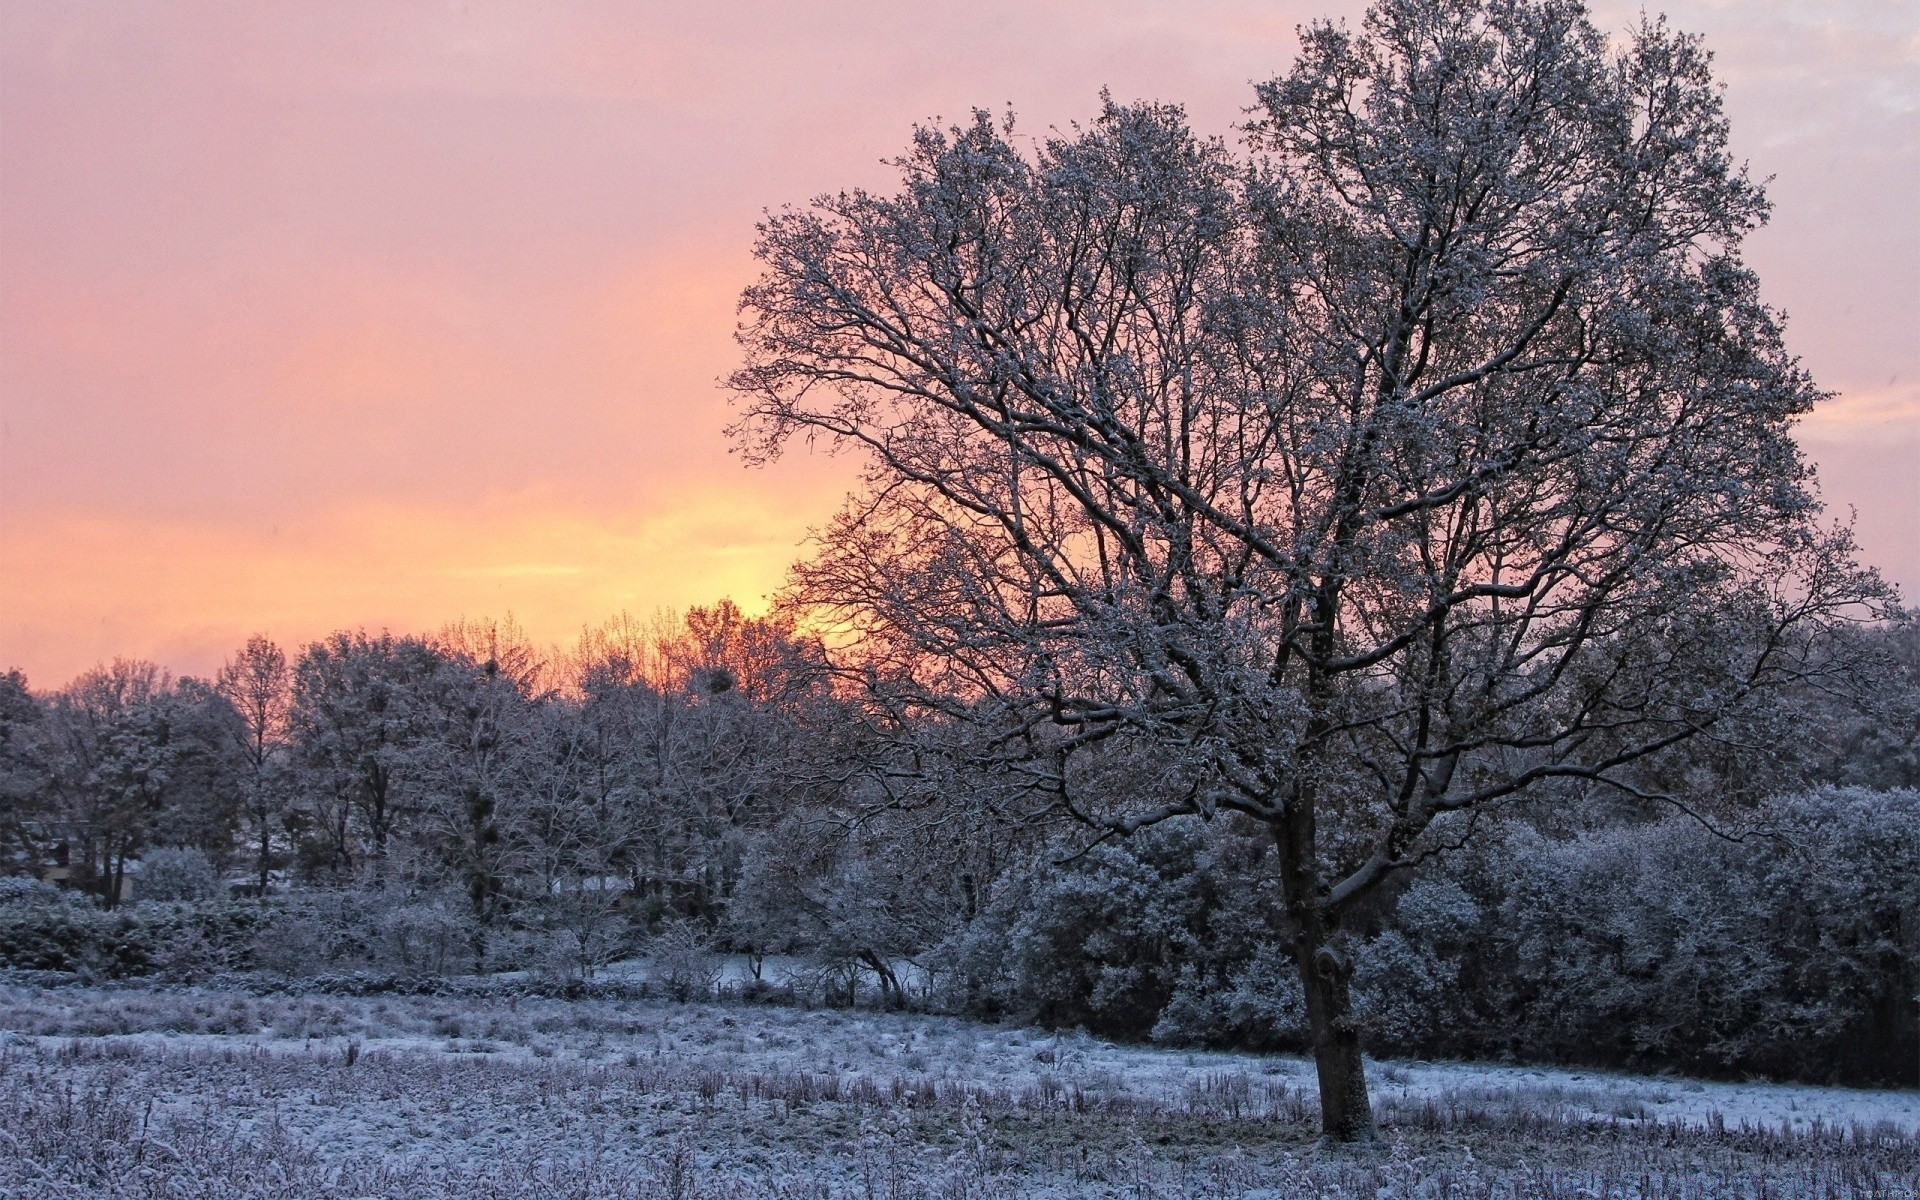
<point>25,889</point>
<point>402,933</point>
<point>1430,448</point>
<point>1404,990</point>
<point>1407,979</point>
<point>1097,945</point>
<point>1786,950</point>
<point>683,962</point>
<point>173,873</point>
<point>1266,1000</point>
<point>1793,952</point>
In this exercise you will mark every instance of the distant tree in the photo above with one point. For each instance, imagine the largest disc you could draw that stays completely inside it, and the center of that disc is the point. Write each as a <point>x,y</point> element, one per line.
<point>355,722</point>
<point>204,806</point>
<point>500,647</point>
<point>590,813</point>
<point>1435,453</point>
<point>719,649</point>
<point>883,848</point>
<point>1877,744</point>
<point>584,817</point>
<point>692,730</point>
<point>137,760</point>
<point>475,723</point>
<point>178,873</point>
<point>858,896</point>
<point>256,682</point>
<point>25,812</point>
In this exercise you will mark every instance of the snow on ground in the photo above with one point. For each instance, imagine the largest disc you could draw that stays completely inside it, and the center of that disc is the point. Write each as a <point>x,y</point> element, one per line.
<point>738,1038</point>
<point>1699,1103</point>
<point>423,1096</point>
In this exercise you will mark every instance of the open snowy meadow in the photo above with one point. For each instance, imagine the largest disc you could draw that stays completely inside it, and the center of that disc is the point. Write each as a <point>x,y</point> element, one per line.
<point>171,1092</point>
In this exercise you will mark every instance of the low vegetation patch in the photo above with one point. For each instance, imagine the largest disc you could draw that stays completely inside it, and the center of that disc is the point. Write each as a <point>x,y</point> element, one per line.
<point>170,1091</point>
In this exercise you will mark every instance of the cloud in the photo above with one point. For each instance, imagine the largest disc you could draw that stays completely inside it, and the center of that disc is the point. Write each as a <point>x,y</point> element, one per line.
<point>1872,413</point>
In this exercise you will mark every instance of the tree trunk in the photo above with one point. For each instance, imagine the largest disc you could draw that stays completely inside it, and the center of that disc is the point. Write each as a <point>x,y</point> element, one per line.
<point>1346,1114</point>
<point>1326,973</point>
<point>891,994</point>
<point>116,876</point>
<point>266,852</point>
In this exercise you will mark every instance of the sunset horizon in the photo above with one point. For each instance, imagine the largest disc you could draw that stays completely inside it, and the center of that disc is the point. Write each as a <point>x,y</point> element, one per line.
<point>413,315</point>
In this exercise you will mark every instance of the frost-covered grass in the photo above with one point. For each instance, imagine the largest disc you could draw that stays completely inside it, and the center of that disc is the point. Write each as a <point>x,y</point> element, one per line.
<point>107,1092</point>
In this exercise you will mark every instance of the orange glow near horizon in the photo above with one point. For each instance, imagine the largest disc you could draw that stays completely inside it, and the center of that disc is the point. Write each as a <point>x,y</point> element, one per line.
<point>389,314</point>
<point>177,592</point>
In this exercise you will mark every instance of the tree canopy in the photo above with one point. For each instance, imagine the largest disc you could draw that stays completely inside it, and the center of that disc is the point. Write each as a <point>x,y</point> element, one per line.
<point>1431,447</point>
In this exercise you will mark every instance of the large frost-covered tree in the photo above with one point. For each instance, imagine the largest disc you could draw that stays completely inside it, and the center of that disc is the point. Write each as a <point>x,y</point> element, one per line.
<point>1433,451</point>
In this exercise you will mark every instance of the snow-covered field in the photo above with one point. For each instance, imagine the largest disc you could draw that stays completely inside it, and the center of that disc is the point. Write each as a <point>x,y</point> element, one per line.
<point>155,1092</point>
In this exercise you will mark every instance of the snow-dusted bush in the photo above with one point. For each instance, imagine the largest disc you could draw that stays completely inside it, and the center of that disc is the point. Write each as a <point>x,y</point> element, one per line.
<point>577,930</point>
<point>1098,946</point>
<point>422,934</point>
<point>308,934</point>
<point>1267,1008</point>
<point>179,939</point>
<point>1403,991</point>
<point>683,962</point>
<point>970,970</point>
<point>855,899</point>
<point>381,931</point>
<point>1793,952</point>
<point>175,873</point>
<point>1162,935</point>
<point>1407,978</point>
<point>1179,935</point>
<point>59,937</point>
<point>27,889</point>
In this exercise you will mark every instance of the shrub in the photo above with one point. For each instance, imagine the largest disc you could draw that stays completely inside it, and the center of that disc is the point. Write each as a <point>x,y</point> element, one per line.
<point>27,889</point>
<point>177,873</point>
<point>1793,952</point>
<point>179,939</point>
<point>1145,937</point>
<point>382,931</point>
<point>682,962</point>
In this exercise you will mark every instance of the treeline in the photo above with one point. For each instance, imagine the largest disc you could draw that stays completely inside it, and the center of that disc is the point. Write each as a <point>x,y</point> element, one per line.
<point>703,785</point>
<point>630,772</point>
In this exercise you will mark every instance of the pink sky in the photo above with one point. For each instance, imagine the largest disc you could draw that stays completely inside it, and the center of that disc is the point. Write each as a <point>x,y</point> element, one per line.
<point>315,316</point>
